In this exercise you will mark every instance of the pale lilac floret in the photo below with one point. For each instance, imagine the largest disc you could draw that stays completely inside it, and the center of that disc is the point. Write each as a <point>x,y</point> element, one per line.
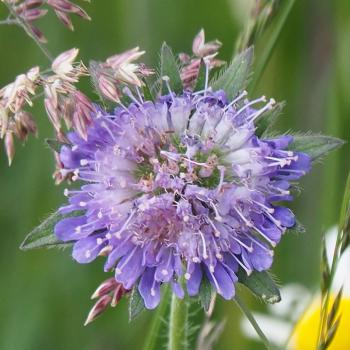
<point>180,189</point>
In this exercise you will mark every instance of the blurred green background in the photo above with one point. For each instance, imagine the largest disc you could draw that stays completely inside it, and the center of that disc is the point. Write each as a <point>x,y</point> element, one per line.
<point>44,295</point>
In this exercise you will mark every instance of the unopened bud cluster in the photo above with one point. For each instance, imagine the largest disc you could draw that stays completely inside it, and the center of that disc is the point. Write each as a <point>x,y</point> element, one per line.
<point>30,11</point>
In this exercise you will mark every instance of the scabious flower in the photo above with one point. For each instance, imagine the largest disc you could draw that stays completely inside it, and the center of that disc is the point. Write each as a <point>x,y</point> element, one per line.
<point>179,190</point>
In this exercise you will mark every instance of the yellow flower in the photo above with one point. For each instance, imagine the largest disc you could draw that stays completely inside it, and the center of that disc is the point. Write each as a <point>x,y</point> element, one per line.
<point>306,330</point>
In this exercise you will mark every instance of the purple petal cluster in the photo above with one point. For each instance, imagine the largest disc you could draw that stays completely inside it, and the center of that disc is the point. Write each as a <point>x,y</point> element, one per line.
<point>180,189</point>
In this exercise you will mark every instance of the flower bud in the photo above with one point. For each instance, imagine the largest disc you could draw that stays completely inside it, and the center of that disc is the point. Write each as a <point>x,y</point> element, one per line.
<point>9,146</point>
<point>98,308</point>
<point>108,88</point>
<point>104,288</point>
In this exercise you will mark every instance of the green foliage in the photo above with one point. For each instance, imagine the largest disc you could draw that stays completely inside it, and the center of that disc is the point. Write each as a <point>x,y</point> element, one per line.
<point>262,285</point>
<point>43,235</point>
<point>266,122</point>
<point>200,82</point>
<point>205,294</point>
<point>316,146</point>
<point>136,304</point>
<point>169,67</point>
<point>234,77</point>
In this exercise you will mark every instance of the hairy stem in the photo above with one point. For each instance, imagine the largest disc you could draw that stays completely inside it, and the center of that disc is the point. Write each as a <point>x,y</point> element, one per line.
<point>177,324</point>
<point>9,21</point>
<point>158,319</point>
<point>24,25</point>
<point>245,310</point>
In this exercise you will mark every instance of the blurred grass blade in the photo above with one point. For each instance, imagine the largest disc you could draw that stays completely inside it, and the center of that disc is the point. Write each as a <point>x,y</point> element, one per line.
<point>153,341</point>
<point>335,308</point>
<point>233,78</point>
<point>270,43</point>
<point>245,310</point>
<point>344,223</point>
<point>316,146</point>
<point>43,235</point>
<point>262,285</point>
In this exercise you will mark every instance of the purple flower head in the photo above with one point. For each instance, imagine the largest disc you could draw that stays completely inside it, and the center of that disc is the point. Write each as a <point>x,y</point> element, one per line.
<point>180,189</point>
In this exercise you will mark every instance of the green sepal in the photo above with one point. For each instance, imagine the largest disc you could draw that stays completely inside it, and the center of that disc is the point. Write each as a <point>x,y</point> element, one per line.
<point>147,93</point>
<point>136,304</point>
<point>55,145</point>
<point>205,294</point>
<point>200,82</point>
<point>43,236</point>
<point>234,77</point>
<point>265,123</point>
<point>169,67</point>
<point>316,146</point>
<point>262,285</point>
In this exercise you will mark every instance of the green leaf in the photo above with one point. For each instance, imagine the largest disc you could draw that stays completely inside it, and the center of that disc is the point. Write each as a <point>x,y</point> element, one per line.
<point>55,145</point>
<point>234,77</point>
<point>262,285</point>
<point>136,304</point>
<point>147,91</point>
<point>43,235</point>
<point>268,119</point>
<point>205,294</point>
<point>170,68</point>
<point>316,146</point>
<point>200,82</point>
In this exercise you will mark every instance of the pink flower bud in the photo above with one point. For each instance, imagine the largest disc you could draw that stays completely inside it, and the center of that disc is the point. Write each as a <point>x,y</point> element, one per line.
<point>105,287</point>
<point>33,14</point>
<point>98,308</point>
<point>108,89</point>
<point>65,19</point>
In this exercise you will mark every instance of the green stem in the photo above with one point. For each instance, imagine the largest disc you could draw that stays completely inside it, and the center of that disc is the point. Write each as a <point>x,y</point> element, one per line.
<point>8,21</point>
<point>24,25</point>
<point>271,42</point>
<point>177,324</point>
<point>158,319</point>
<point>245,310</point>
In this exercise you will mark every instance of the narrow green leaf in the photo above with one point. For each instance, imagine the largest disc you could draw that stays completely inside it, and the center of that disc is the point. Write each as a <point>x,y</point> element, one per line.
<point>262,285</point>
<point>170,68</point>
<point>136,304</point>
<point>233,78</point>
<point>316,146</point>
<point>43,235</point>
<point>55,145</point>
<point>268,119</point>
<point>205,294</point>
<point>269,44</point>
